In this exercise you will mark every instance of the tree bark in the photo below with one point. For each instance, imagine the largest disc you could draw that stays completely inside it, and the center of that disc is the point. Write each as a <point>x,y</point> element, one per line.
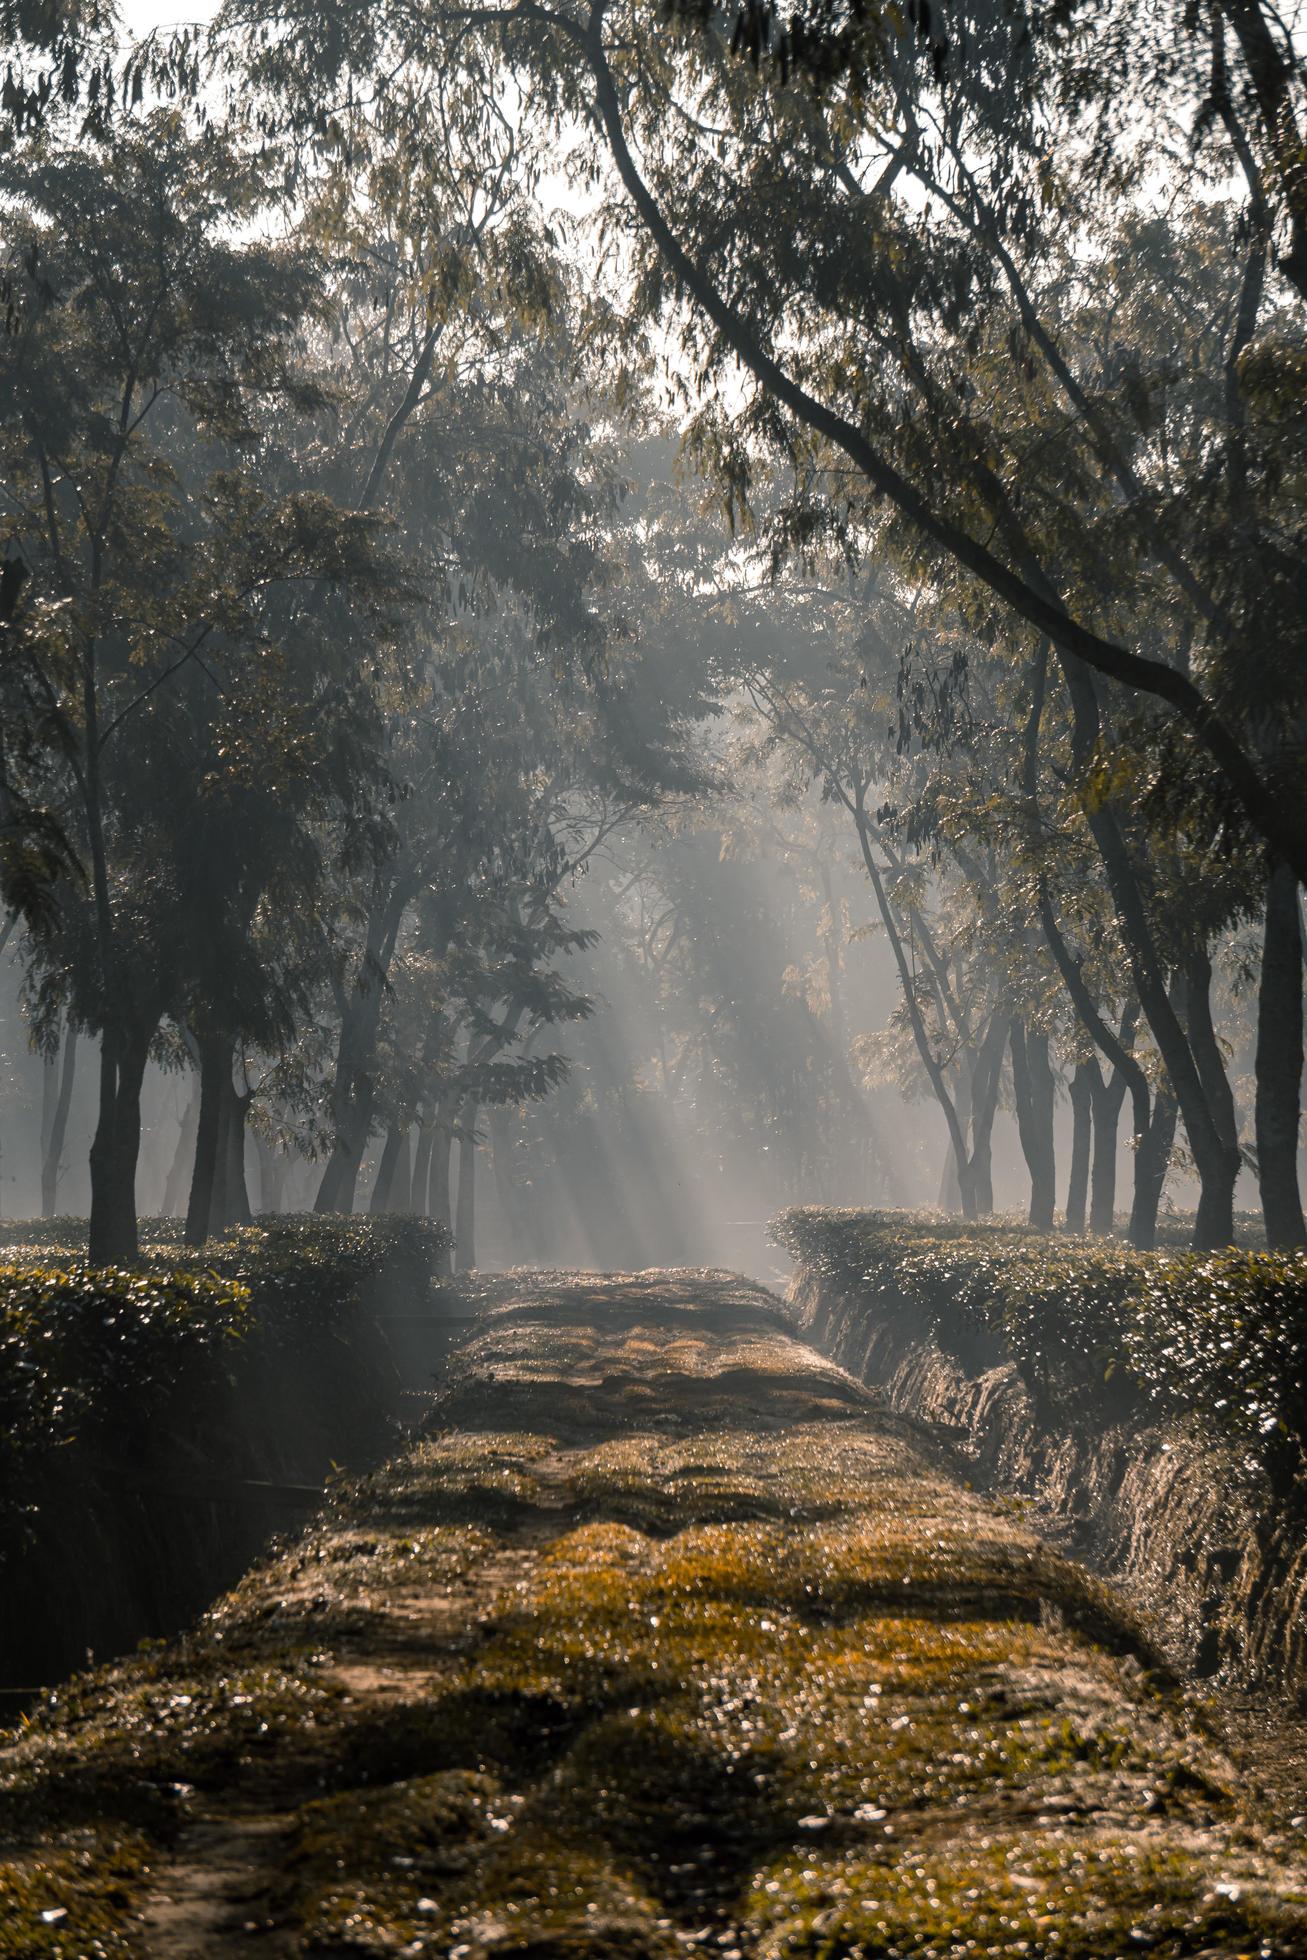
<point>1272,75</point>
<point>1107,1094</point>
<point>183,1157</point>
<point>56,1135</point>
<point>235,1192</point>
<point>1032,1082</point>
<point>1279,1062</point>
<point>438,1188</point>
<point>1152,1161</point>
<point>1215,1145</point>
<point>1185,1039</point>
<point>354,1088</point>
<point>1082,1123</point>
<point>394,1156</point>
<point>113,1235</point>
<point>984,1085</point>
<point>465,1243</point>
<point>272,1176</point>
<point>420,1186</point>
<point>215,1056</point>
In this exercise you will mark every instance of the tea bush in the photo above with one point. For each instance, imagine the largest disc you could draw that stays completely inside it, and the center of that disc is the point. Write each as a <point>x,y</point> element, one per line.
<point>124,1396</point>
<point>1218,1337</point>
<point>85,1352</point>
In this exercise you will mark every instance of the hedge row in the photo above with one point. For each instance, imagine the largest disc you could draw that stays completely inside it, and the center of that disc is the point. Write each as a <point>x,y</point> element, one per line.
<point>1219,1338</point>
<point>108,1358</point>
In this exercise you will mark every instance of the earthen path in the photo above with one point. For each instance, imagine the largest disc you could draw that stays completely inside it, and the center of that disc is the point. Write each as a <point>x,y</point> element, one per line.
<point>662,1639</point>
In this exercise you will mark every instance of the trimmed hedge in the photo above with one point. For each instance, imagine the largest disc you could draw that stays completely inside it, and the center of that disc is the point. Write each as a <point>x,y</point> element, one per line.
<point>97,1354</point>
<point>258,1357</point>
<point>1219,1338</point>
<point>81,1351</point>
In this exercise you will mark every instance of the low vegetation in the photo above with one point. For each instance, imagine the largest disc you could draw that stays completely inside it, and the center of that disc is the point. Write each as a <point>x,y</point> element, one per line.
<point>257,1356</point>
<point>1220,1337</point>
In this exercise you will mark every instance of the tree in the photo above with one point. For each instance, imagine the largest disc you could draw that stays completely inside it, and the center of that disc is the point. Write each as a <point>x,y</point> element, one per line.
<point>845,213</point>
<point>145,336</point>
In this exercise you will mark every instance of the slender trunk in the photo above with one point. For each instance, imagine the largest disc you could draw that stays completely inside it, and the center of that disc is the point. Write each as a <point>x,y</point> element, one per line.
<point>438,1188</point>
<point>950,1184</point>
<point>465,1222</point>
<point>1082,1123</point>
<point>1043,1089</point>
<point>929,1059</point>
<point>272,1176</point>
<point>235,1193</point>
<point>1107,1094</point>
<point>1126,1071</point>
<point>1185,1040</point>
<point>1279,1062</point>
<point>1032,1084</point>
<point>347,1158</point>
<point>1152,1161</point>
<point>99,1231</point>
<point>113,1237</point>
<point>354,1089</point>
<point>384,1184</point>
<point>49,1096</point>
<point>983,1099</point>
<point>1216,1146</point>
<point>200,1212</point>
<point>420,1187</point>
<point>219,1198</point>
<point>183,1157</point>
<point>950,1191</point>
<point>53,1153</point>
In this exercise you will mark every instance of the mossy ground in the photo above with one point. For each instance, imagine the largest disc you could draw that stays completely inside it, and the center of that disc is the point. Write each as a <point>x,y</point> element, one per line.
<point>661,1640</point>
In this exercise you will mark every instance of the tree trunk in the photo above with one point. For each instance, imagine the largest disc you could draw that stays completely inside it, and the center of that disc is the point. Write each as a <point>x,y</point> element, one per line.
<point>49,1097</point>
<point>215,1058</point>
<point>955,1165</point>
<point>438,1187</point>
<point>354,1089</point>
<point>1152,1161</point>
<point>983,1103</point>
<point>1279,1062</point>
<point>54,1138</point>
<point>235,1192</point>
<point>183,1157</point>
<point>113,1236</point>
<point>465,1244</point>
<point>1107,1096</point>
<point>1032,1083</point>
<point>1082,1124</point>
<point>930,1061</point>
<point>272,1176</point>
<point>950,1191</point>
<point>420,1188</point>
<point>340,1178</point>
<point>1179,1016</point>
<point>384,1184</point>
<point>1215,1144</point>
<point>1043,1091</point>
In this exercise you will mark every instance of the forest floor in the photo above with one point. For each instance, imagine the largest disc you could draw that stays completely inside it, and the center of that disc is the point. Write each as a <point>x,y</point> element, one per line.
<point>661,1639</point>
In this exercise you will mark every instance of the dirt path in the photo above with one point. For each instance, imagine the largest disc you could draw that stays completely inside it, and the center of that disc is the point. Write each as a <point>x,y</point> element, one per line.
<point>662,1639</point>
